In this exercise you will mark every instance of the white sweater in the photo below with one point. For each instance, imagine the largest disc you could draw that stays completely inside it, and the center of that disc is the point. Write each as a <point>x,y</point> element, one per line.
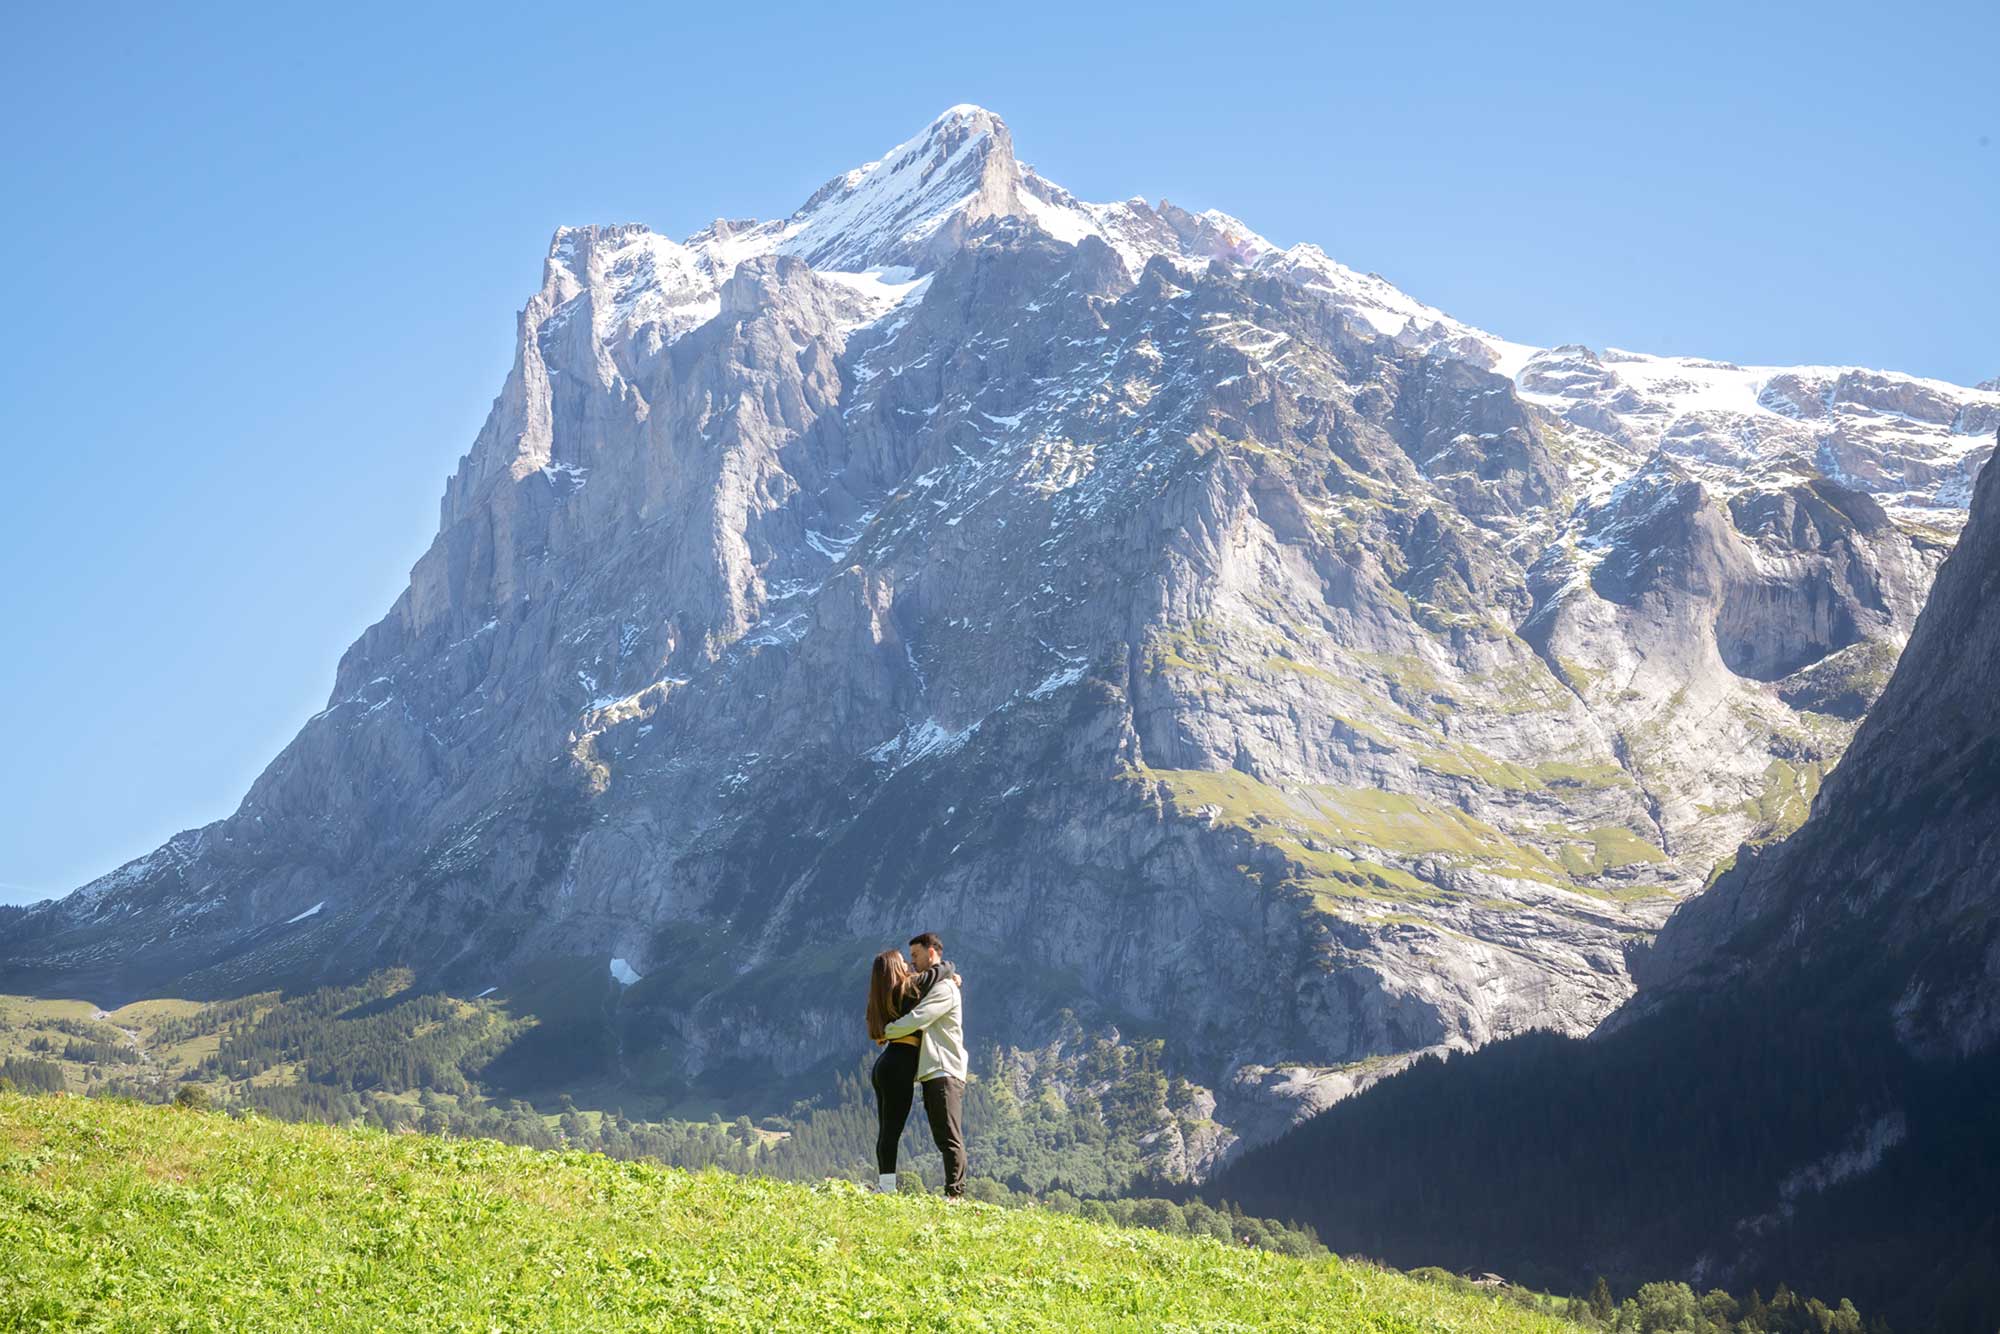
<point>941,1018</point>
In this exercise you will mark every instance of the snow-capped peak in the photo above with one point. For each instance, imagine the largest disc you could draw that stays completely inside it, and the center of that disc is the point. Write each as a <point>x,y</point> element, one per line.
<point>962,111</point>
<point>912,205</point>
<point>880,229</point>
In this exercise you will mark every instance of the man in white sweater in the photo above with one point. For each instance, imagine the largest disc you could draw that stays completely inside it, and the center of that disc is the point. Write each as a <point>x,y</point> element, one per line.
<point>940,1016</point>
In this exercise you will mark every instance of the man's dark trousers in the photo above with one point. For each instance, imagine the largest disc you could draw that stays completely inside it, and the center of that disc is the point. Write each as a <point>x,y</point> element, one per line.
<point>944,1104</point>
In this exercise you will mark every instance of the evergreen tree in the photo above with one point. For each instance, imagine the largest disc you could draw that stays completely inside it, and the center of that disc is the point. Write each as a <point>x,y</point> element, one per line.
<point>1601,1306</point>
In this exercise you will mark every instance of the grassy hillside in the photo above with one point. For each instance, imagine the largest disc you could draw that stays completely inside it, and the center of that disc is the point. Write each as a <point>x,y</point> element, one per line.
<point>119,1215</point>
<point>1087,1116</point>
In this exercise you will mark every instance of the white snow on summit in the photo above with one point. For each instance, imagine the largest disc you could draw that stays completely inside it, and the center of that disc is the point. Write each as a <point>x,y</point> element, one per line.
<point>884,211</point>
<point>880,229</point>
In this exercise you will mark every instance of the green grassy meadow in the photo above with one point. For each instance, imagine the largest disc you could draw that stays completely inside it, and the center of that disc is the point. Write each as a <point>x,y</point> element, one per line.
<point>117,1215</point>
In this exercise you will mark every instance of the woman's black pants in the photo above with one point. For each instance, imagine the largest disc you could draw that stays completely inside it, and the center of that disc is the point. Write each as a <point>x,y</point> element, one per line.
<point>895,1081</point>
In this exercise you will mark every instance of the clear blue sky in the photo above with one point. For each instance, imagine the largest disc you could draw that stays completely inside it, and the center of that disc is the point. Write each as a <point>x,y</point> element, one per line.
<point>263,269</point>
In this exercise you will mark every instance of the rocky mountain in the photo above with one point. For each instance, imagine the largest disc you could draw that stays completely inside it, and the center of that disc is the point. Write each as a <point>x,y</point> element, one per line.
<point>1895,881</point>
<point>1805,1088</point>
<point>1211,640</point>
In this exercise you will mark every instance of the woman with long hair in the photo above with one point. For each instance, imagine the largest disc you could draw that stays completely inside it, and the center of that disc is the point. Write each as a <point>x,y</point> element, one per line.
<point>893,991</point>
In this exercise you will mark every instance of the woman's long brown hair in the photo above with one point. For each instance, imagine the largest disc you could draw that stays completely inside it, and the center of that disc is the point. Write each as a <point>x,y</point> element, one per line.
<point>888,991</point>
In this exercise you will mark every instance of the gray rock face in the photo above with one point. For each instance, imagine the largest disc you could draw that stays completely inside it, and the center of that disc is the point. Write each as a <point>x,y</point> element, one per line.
<point>1897,872</point>
<point>1207,638</point>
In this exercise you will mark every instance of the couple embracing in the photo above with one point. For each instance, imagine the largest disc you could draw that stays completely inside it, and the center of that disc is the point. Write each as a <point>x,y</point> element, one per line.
<point>916,1014</point>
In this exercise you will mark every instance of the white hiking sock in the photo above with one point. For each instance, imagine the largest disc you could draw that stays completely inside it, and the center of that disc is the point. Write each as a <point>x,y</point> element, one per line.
<point>886,1183</point>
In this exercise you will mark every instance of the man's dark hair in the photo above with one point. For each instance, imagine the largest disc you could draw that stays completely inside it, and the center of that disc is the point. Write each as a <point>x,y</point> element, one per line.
<point>929,940</point>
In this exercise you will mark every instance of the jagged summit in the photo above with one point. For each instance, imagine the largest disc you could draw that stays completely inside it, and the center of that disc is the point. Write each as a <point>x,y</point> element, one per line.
<point>914,204</point>
<point>880,227</point>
